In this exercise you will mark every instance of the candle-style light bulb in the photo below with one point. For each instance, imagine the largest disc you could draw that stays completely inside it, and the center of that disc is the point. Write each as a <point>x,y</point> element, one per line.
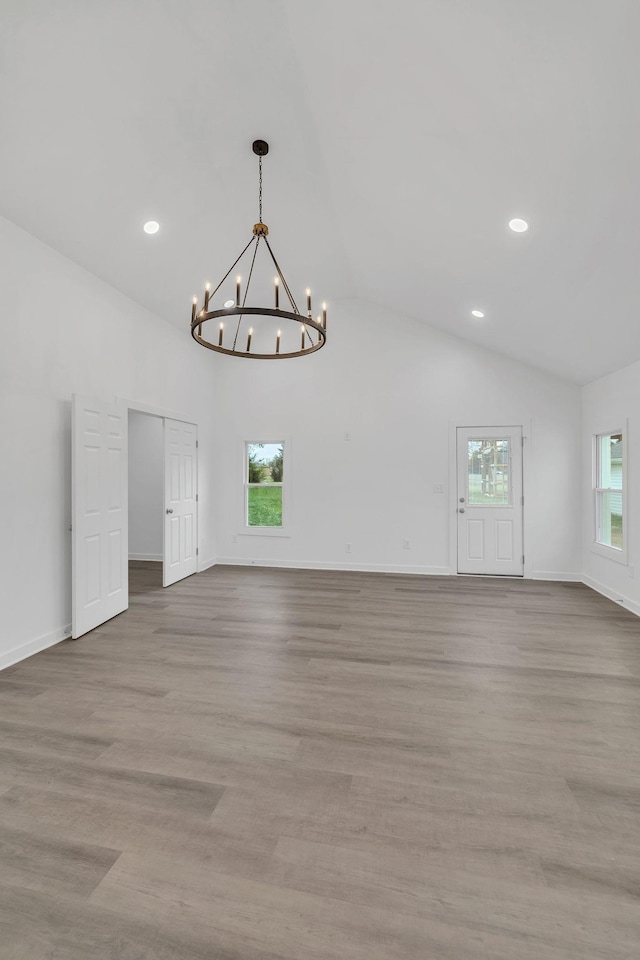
<point>220,334</point>
<point>207,294</point>
<point>324,315</point>
<point>308,301</point>
<point>278,341</point>
<point>249,339</point>
<point>276,283</point>
<point>193,309</point>
<point>303,328</point>
<point>238,281</point>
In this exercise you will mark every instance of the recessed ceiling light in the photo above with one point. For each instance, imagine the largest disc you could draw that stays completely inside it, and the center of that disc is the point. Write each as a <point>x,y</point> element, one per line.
<point>151,226</point>
<point>229,303</point>
<point>518,225</point>
<point>477,313</point>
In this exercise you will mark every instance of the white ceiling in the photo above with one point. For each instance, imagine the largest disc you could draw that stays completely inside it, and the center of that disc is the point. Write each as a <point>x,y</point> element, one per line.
<point>404,135</point>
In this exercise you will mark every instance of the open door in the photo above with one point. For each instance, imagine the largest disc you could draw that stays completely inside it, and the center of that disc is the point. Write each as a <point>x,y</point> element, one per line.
<point>100,582</point>
<point>180,521</point>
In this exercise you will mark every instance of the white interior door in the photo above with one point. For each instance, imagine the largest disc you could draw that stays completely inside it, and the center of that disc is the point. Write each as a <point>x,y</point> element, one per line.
<point>180,520</point>
<point>100,581</point>
<point>490,501</point>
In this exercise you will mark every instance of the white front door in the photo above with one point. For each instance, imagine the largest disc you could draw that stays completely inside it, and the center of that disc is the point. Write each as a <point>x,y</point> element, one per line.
<point>490,501</point>
<point>100,582</point>
<point>180,526</point>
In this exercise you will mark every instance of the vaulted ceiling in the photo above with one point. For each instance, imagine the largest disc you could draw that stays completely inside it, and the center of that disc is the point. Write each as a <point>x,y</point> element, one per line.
<point>404,135</point>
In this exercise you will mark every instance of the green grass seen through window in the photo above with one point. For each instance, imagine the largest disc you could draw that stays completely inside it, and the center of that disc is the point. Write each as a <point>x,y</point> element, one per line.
<point>616,531</point>
<point>265,506</point>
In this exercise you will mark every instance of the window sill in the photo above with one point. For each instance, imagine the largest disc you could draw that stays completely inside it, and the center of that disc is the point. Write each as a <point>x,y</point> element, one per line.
<point>264,532</point>
<point>618,556</point>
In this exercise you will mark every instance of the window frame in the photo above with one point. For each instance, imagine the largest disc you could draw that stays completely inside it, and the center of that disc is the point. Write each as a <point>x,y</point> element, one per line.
<point>285,485</point>
<point>617,554</point>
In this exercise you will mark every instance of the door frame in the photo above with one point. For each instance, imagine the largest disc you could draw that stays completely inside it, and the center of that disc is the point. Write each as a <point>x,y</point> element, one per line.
<point>527,524</point>
<point>153,411</point>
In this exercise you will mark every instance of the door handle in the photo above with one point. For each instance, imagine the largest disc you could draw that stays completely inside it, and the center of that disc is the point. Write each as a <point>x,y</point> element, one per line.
<point>461,499</point>
<point>169,510</point>
<point>461,510</point>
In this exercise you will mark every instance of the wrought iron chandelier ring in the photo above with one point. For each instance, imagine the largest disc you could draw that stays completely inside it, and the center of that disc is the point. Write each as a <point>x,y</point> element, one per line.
<point>303,322</point>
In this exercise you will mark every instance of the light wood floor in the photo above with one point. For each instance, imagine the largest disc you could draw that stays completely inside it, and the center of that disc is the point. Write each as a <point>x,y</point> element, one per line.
<point>298,765</point>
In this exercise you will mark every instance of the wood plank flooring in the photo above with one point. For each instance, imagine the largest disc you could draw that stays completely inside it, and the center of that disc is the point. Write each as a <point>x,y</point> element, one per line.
<point>264,764</point>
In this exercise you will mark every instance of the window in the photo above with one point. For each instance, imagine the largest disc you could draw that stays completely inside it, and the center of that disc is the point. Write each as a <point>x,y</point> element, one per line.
<point>264,472</point>
<point>609,493</point>
<point>488,472</point>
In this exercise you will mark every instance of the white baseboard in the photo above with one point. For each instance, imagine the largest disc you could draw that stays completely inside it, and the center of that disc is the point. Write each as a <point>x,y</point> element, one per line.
<point>631,605</point>
<point>146,556</point>
<point>205,564</point>
<point>34,646</point>
<point>321,565</point>
<point>554,575</point>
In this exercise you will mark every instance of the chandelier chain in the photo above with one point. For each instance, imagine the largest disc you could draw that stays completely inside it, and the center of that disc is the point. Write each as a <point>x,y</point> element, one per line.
<point>260,188</point>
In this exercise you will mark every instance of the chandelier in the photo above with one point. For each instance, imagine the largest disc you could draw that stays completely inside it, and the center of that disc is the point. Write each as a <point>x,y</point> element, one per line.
<point>232,327</point>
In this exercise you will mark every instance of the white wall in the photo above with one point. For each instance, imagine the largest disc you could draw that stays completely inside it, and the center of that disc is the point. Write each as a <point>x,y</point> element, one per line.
<point>146,486</point>
<point>397,387</point>
<point>65,331</point>
<point>606,405</point>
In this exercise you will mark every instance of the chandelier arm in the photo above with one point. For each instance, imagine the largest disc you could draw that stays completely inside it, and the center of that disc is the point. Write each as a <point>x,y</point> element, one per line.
<point>281,275</point>
<point>246,289</point>
<point>213,293</point>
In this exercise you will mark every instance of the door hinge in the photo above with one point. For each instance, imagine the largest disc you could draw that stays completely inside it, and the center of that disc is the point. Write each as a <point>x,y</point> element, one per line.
<point>197,551</point>
<point>523,559</point>
<point>522,499</point>
<point>198,495</point>
<point>197,444</point>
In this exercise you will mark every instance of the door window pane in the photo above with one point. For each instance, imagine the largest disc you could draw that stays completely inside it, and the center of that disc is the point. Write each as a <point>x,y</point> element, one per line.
<point>488,472</point>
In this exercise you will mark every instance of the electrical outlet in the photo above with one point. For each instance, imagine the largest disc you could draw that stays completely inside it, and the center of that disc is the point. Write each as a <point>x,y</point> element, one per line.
<point>347,436</point>
<point>406,544</point>
<point>631,572</point>
<point>234,538</point>
<point>347,548</point>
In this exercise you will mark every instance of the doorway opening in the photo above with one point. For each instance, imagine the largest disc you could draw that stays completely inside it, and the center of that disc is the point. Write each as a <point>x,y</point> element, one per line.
<point>146,502</point>
<point>162,496</point>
